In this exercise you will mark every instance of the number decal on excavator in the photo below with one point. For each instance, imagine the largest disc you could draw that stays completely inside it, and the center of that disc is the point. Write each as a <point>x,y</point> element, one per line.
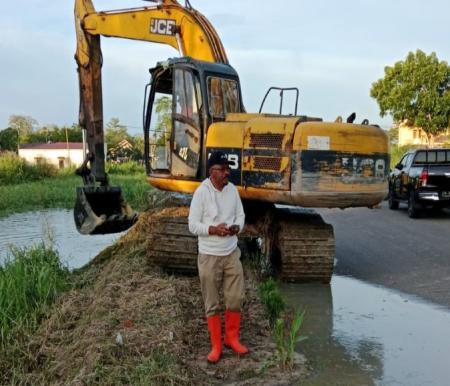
<point>163,26</point>
<point>183,153</point>
<point>234,158</point>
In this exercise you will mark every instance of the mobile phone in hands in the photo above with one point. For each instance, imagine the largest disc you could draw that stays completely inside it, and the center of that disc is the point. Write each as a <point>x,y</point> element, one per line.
<point>234,229</point>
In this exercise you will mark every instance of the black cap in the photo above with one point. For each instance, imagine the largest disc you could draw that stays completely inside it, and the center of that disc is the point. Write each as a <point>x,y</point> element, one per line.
<point>218,158</point>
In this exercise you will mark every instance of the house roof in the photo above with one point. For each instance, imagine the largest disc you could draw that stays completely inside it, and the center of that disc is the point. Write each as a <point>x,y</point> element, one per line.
<point>52,146</point>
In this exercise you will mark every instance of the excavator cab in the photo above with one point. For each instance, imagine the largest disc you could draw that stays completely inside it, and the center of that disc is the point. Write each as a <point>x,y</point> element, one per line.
<point>186,96</point>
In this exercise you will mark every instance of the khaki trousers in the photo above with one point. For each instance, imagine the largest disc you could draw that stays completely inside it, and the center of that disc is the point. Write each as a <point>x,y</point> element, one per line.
<point>221,272</point>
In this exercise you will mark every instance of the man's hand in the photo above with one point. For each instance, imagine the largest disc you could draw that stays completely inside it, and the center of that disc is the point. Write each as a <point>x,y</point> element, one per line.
<point>219,230</point>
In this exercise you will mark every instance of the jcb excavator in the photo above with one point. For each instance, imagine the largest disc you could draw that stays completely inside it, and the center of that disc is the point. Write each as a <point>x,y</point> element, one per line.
<point>194,106</point>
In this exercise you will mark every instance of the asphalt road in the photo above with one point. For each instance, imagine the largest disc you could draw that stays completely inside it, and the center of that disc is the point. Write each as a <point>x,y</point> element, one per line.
<point>386,247</point>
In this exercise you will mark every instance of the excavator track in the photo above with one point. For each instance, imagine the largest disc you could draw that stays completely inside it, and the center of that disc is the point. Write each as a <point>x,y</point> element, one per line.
<point>170,244</point>
<point>306,246</point>
<point>298,243</point>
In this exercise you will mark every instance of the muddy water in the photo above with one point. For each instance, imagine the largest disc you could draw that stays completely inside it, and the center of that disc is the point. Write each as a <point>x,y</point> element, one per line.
<point>56,226</point>
<point>360,334</point>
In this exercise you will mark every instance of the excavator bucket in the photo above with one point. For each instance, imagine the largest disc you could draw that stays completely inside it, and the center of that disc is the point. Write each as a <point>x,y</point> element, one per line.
<point>101,210</point>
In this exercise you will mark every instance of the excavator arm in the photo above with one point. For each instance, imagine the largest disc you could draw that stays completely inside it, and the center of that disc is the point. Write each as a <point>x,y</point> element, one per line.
<point>101,208</point>
<point>183,28</point>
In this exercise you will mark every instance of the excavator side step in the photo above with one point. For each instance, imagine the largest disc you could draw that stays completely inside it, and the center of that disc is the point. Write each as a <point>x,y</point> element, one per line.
<point>101,210</point>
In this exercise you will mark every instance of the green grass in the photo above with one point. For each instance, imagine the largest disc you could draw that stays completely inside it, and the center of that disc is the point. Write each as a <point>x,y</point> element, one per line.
<point>162,368</point>
<point>131,167</point>
<point>30,280</point>
<point>59,192</point>
<point>272,300</point>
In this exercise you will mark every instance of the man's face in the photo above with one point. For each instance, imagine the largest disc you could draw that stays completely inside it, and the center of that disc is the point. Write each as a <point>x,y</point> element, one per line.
<point>219,175</point>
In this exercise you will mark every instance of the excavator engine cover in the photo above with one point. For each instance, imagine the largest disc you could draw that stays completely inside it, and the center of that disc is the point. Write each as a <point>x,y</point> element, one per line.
<point>101,210</point>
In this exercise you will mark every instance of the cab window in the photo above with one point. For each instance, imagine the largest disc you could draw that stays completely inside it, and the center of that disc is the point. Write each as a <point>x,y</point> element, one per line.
<point>160,130</point>
<point>223,97</point>
<point>186,97</point>
<point>186,125</point>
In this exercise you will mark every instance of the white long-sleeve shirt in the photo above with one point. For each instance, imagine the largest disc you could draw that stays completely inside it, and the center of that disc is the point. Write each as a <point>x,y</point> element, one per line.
<point>210,206</point>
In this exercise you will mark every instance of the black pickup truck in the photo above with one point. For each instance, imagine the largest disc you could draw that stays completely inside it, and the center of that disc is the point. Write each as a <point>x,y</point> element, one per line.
<point>422,179</point>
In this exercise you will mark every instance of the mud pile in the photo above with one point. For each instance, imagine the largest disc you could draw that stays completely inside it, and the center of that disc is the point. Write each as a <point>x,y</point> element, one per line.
<point>127,322</point>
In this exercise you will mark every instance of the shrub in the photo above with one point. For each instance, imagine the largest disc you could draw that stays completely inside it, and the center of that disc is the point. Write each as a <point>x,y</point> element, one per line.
<point>14,169</point>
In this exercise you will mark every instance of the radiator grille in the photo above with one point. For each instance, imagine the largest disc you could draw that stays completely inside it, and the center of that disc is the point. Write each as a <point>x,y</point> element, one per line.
<point>267,163</point>
<point>268,141</point>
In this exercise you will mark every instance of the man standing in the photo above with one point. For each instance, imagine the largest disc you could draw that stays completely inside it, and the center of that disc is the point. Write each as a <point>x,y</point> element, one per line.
<point>216,216</point>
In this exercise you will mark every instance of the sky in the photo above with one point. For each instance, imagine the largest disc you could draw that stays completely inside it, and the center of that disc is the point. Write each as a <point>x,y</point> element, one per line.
<point>331,50</point>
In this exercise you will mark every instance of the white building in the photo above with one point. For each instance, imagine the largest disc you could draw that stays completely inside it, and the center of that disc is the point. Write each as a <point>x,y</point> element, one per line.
<point>408,135</point>
<point>60,154</point>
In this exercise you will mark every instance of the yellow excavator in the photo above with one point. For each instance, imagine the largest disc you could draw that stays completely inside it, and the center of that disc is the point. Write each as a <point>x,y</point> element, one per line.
<point>193,106</point>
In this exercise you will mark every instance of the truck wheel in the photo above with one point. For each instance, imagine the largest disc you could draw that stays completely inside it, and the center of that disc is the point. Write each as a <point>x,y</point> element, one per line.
<point>413,212</point>
<point>392,202</point>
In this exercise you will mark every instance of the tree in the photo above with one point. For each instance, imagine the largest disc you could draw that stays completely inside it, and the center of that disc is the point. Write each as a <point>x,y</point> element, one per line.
<point>53,133</point>
<point>23,125</point>
<point>115,132</point>
<point>416,90</point>
<point>138,147</point>
<point>393,135</point>
<point>8,139</point>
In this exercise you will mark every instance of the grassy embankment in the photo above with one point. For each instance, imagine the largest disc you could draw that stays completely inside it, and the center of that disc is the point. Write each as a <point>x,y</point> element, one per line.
<point>24,187</point>
<point>124,322</point>
<point>119,320</point>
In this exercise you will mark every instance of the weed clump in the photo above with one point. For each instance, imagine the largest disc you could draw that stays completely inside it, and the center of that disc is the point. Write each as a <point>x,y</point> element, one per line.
<point>285,323</point>
<point>272,300</point>
<point>286,334</point>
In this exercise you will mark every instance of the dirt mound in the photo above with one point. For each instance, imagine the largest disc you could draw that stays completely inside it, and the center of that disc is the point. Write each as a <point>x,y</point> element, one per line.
<point>128,323</point>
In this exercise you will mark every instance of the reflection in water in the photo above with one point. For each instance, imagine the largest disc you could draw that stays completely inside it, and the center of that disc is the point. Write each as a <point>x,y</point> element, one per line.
<point>359,334</point>
<point>56,226</point>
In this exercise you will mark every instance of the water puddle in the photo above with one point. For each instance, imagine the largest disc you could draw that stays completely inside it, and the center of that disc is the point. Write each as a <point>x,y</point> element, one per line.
<point>56,225</point>
<point>360,334</point>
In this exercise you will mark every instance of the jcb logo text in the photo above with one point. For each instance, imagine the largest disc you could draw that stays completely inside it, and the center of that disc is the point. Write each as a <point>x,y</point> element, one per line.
<point>163,26</point>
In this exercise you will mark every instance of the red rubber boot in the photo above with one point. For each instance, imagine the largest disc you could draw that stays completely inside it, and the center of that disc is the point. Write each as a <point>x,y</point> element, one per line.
<point>215,333</point>
<point>232,326</point>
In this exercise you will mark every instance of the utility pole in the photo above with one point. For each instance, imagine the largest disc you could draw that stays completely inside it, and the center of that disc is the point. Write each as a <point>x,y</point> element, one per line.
<point>68,147</point>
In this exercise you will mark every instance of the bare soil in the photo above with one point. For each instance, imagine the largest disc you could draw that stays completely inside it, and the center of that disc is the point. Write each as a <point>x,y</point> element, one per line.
<point>128,323</point>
